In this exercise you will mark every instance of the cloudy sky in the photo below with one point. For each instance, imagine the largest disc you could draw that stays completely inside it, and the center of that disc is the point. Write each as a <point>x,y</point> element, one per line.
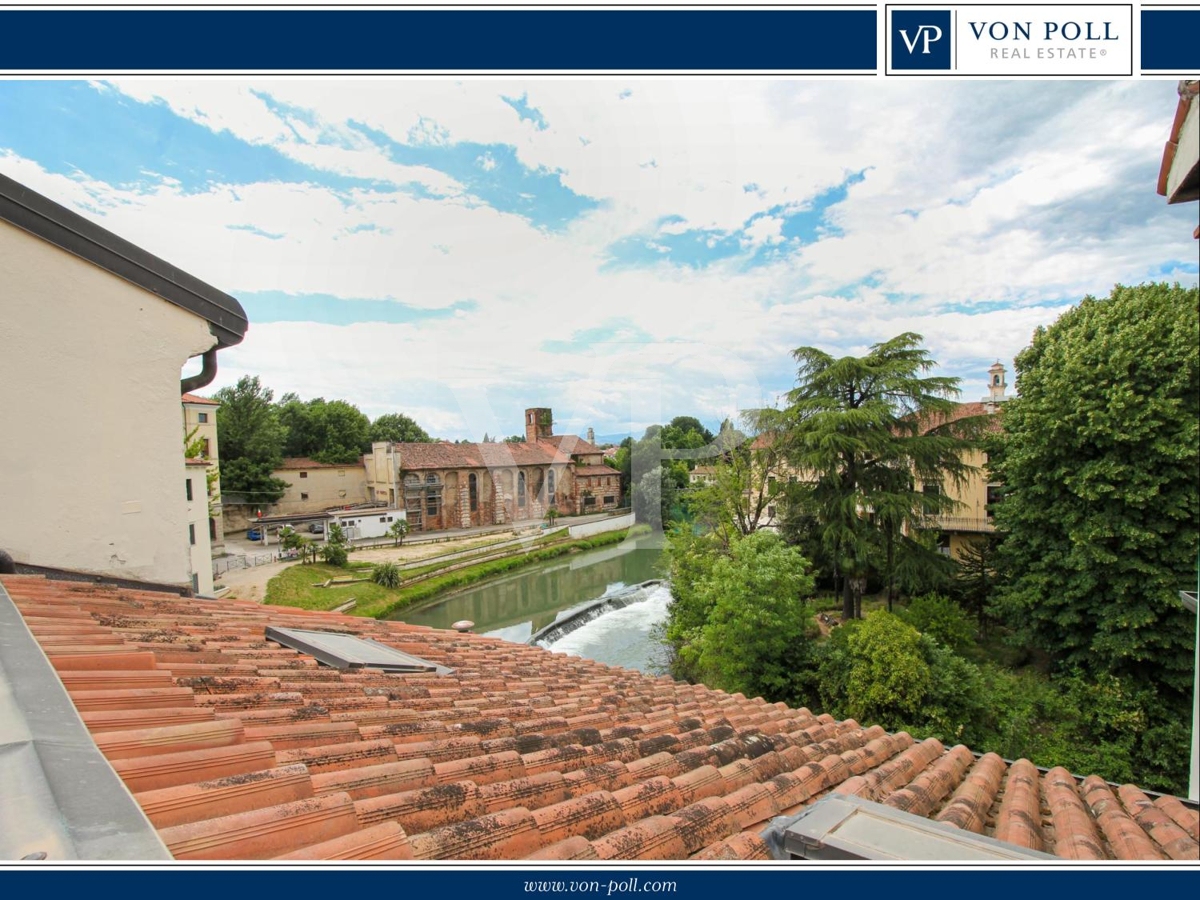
<point>621,251</point>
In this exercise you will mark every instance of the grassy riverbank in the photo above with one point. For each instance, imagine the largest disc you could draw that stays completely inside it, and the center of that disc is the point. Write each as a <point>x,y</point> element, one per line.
<point>294,586</point>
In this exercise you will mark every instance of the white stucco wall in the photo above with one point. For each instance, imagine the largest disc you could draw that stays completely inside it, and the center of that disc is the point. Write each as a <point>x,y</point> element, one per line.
<point>588,529</point>
<point>200,552</point>
<point>89,373</point>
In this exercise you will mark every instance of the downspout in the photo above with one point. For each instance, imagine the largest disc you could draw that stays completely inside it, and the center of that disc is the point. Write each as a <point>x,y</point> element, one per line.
<point>205,376</point>
<point>1194,774</point>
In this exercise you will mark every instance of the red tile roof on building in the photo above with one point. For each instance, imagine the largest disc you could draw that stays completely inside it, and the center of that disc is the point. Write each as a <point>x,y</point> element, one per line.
<point>967,411</point>
<point>303,462</point>
<point>572,445</point>
<point>195,398</point>
<point>239,748</point>
<point>444,455</point>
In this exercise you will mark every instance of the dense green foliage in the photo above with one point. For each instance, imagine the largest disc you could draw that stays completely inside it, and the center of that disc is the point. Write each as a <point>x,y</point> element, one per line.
<point>329,431</point>
<point>1060,638</point>
<point>757,625</point>
<point>335,555</point>
<point>941,618</point>
<point>1101,510</point>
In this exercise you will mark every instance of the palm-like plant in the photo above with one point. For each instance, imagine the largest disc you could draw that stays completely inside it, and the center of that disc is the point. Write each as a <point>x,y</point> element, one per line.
<point>398,531</point>
<point>387,574</point>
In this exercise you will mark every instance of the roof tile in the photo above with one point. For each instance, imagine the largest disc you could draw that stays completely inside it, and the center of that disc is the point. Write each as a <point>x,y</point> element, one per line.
<point>519,752</point>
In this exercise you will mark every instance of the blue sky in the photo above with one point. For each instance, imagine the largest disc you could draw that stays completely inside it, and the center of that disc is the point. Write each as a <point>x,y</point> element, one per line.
<point>621,251</point>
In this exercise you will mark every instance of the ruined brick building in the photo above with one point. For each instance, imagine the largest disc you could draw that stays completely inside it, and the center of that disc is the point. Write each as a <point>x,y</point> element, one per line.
<point>443,485</point>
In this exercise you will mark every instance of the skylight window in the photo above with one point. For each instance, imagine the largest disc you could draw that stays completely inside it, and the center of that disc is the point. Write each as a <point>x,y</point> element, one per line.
<point>344,651</point>
<point>842,827</point>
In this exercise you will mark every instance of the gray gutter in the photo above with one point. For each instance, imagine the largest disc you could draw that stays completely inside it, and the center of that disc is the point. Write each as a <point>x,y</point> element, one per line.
<point>40,216</point>
<point>61,799</point>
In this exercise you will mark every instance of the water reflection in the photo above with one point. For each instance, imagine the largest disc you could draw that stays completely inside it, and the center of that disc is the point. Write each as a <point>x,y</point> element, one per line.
<point>517,605</point>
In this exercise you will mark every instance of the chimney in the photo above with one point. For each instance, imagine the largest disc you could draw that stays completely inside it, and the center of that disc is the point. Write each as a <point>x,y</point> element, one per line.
<point>591,435</point>
<point>539,423</point>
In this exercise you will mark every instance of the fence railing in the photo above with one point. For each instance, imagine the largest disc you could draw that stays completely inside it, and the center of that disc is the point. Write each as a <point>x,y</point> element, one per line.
<point>249,561</point>
<point>960,523</point>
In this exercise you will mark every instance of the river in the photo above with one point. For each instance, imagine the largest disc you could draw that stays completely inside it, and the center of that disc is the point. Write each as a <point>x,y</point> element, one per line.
<point>515,606</point>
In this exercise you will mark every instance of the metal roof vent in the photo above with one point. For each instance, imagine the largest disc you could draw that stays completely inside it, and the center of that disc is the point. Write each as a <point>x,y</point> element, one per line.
<point>344,651</point>
<point>841,827</point>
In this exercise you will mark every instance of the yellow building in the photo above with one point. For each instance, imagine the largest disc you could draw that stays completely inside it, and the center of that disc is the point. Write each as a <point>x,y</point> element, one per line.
<point>312,487</point>
<point>200,426</point>
<point>974,498</point>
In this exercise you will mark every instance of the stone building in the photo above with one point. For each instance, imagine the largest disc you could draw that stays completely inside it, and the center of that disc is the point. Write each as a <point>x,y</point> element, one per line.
<point>444,485</point>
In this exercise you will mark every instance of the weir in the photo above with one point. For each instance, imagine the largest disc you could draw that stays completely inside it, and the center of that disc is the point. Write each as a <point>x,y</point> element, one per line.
<point>589,612</point>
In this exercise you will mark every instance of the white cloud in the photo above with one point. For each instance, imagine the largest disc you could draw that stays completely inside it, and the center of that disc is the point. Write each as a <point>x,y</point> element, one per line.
<point>972,197</point>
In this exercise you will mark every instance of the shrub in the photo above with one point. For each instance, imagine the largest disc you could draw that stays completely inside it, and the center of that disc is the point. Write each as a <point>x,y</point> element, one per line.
<point>888,675</point>
<point>387,574</point>
<point>942,619</point>
<point>335,555</point>
<point>759,629</point>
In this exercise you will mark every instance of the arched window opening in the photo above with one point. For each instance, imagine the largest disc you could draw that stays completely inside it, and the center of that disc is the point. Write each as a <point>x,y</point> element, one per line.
<point>520,489</point>
<point>473,490</point>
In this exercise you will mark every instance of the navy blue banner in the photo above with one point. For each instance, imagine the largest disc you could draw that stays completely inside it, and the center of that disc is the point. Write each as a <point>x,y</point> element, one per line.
<point>693,882</point>
<point>439,40</point>
<point>1171,40</point>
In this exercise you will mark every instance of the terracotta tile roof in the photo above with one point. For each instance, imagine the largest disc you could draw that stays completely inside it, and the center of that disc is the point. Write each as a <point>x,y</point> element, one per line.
<point>571,444</point>
<point>195,398</point>
<point>964,411</point>
<point>596,470</point>
<point>304,462</point>
<point>444,455</point>
<point>238,748</point>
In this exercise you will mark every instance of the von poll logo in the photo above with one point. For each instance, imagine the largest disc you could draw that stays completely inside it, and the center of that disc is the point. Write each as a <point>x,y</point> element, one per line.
<point>921,39</point>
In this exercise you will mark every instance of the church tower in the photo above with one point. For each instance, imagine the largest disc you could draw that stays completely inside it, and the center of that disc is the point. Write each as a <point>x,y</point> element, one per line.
<point>997,384</point>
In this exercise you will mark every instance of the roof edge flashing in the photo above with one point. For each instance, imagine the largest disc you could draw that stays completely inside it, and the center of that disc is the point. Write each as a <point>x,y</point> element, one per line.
<point>40,216</point>
<point>846,827</point>
<point>62,798</point>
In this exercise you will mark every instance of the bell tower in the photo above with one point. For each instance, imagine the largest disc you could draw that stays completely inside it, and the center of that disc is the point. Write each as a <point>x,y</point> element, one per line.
<point>539,424</point>
<point>997,384</point>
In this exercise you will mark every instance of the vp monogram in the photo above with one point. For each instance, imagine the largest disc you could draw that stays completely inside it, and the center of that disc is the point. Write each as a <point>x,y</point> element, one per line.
<point>927,34</point>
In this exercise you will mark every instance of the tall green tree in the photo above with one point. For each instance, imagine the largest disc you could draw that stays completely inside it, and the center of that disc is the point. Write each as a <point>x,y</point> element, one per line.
<point>866,430</point>
<point>1101,509</point>
<point>252,440</point>
<point>401,429</point>
<point>691,423</point>
<point>975,578</point>
<point>248,422</point>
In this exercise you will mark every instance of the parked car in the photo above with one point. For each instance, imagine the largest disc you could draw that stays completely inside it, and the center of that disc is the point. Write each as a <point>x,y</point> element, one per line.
<point>253,534</point>
<point>316,528</point>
